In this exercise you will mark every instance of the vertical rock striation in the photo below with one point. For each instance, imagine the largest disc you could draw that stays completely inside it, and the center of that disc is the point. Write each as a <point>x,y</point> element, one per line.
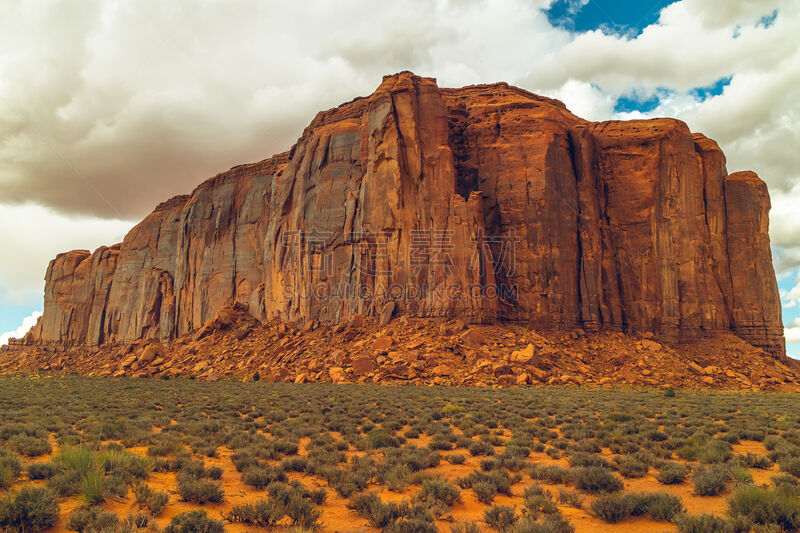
<point>486,202</point>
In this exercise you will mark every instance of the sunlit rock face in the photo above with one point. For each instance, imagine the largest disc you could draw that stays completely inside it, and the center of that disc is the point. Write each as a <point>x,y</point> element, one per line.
<point>485,203</point>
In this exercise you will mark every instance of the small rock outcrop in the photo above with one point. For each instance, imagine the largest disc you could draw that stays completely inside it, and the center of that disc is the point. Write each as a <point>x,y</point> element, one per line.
<point>486,203</point>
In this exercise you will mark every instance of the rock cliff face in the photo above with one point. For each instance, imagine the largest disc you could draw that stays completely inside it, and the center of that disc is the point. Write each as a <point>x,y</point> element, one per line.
<point>485,203</point>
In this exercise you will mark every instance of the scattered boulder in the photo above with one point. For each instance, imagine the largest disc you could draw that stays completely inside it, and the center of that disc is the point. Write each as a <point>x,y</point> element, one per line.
<point>442,370</point>
<point>386,313</point>
<point>358,321</point>
<point>473,338</point>
<point>650,345</point>
<point>505,380</point>
<point>362,365</point>
<point>226,316</point>
<point>416,343</point>
<point>382,343</point>
<point>150,352</point>
<point>523,356</point>
<point>697,369</point>
<point>337,374</point>
<point>205,331</point>
<point>338,356</point>
<point>499,369</point>
<point>540,374</point>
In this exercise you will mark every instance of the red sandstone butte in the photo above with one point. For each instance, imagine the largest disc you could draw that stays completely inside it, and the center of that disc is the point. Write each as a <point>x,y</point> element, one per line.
<point>434,198</point>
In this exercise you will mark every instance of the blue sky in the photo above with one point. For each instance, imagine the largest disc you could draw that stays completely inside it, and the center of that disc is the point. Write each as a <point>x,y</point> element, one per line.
<point>11,315</point>
<point>84,168</point>
<point>628,17</point>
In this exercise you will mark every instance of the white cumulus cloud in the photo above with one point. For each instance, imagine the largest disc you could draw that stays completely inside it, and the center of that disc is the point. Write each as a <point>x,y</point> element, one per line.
<point>792,331</point>
<point>27,323</point>
<point>32,235</point>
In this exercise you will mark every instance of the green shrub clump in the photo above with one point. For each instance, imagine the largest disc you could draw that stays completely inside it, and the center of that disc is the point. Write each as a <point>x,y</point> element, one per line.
<point>31,509</point>
<point>29,445</point>
<point>439,490</point>
<point>153,501</point>
<point>261,513</point>
<point>199,491</point>
<point>595,479</point>
<point>380,438</point>
<point>194,522</point>
<point>91,520</point>
<point>710,481</point>
<point>262,476</point>
<point>393,517</point>
<point>706,450</point>
<point>766,507</point>
<point>704,523</point>
<point>10,468</point>
<point>41,470</point>
<point>671,473</point>
<point>500,517</point>
<point>486,485</point>
<point>659,506</point>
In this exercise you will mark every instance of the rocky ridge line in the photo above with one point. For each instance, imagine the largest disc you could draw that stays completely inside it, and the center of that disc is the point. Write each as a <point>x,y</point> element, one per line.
<point>235,346</point>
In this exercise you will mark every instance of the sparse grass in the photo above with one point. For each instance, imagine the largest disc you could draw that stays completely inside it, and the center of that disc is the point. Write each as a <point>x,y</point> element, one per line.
<point>379,438</point>
<point>93,486</point>
<point>357,437</point>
